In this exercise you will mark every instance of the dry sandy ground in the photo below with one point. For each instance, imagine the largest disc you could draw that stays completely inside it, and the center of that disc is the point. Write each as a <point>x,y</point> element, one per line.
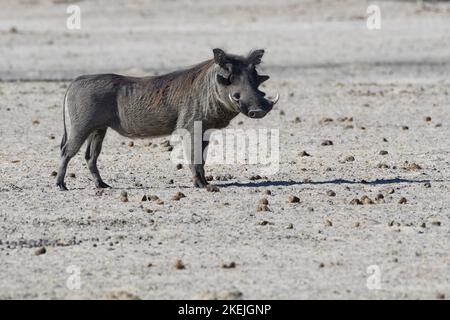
<point>325,64</point>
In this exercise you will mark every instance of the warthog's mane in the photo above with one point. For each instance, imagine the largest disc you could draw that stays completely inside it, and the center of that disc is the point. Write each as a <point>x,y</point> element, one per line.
<point>178,86</point>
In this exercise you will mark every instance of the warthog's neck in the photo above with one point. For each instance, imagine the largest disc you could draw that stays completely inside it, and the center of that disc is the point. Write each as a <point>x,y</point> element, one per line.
<point>217,111</point>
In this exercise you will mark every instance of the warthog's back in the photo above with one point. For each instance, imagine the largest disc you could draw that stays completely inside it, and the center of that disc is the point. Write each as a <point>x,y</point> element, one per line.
<point>126,104</point>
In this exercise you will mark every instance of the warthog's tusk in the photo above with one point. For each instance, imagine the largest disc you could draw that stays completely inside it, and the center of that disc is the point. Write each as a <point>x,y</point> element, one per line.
<point>275,100</point>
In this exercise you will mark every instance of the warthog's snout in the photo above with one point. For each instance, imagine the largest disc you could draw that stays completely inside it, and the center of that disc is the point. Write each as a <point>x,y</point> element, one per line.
<point>256,112</point>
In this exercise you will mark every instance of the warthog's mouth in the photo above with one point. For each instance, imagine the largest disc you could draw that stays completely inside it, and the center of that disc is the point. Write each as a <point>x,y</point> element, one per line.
<point>255,112</point>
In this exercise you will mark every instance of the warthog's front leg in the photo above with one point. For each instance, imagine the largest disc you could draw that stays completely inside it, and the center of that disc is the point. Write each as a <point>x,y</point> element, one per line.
<point>194,147</point>
<point>198,170</point>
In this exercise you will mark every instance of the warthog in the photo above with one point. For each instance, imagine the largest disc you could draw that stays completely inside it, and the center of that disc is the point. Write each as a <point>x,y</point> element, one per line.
<point>213,92</point>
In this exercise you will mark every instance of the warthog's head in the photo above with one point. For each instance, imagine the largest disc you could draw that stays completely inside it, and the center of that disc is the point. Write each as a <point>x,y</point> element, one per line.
<point>238,83</point>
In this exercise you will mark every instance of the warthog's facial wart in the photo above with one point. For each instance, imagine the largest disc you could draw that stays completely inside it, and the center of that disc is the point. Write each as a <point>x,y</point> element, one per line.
<point>238,83</point>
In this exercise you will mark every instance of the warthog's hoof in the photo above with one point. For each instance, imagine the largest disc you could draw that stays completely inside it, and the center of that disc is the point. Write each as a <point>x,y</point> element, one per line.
<point>62,186</point>
<point>200,183</point>
<point>101,184</point>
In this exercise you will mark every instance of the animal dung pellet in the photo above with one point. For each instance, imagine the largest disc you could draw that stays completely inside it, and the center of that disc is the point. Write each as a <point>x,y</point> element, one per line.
<point>412,167</point>
<point>304,154</point>
<point>179,265</point>
<point>366,200</point>
<point>124,196</point>
<point>230,265</point>
<point>262,207</point>
<point>40,251</point>
<point>212,188</point>
<point>179,166</point>
<point>177,196</point>
<point>383,152</point>
<point>402,200</point>
<point>349,159</point>
<point>325,120</point>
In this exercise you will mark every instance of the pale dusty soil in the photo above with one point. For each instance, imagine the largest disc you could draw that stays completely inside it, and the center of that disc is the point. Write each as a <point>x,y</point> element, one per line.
<point>325,64</point>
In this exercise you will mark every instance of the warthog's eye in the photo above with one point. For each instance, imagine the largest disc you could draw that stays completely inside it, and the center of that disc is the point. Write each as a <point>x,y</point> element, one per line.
<point>223,81</point>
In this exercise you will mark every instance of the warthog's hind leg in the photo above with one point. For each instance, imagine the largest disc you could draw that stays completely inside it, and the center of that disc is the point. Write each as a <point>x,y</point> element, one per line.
<point>93,149</point>
<point>68,150</point>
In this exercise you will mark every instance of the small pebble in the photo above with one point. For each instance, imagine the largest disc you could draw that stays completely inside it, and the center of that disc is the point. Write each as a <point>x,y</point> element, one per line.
<point>212,188</point>
<point>349,159</point>
<point>177,196</point>
<point>179,166</point>
<point>72,175</point>
<point>383,152</point>
<point>440,296</point>
<point>427,185</point>
<point>144,198</point>
<point>54,173</point>
<point>179,265</point>
<point>327,143</point>
<point>293,199</point>
<point>304,154</point>
<point>356,201</point>
<point>328,223</point>
<point>268,192</point>
<point>230,265</point>
<point>290,226</point>
<point>331,193</point>
<point>436,223</point>
<point>40,251</point>
<point>428,119</point>
<point>262,207</point>
<point>131,144</point>
<point>402,200</point>
<point>124,196</point>
<point>366,200</point>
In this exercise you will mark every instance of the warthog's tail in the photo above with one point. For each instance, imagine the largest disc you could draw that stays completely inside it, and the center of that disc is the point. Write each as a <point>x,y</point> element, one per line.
<point>64,138</point>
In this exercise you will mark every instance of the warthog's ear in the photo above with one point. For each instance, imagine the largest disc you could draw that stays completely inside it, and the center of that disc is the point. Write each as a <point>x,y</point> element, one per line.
<point>255,56</point>
<point>220,57</point>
